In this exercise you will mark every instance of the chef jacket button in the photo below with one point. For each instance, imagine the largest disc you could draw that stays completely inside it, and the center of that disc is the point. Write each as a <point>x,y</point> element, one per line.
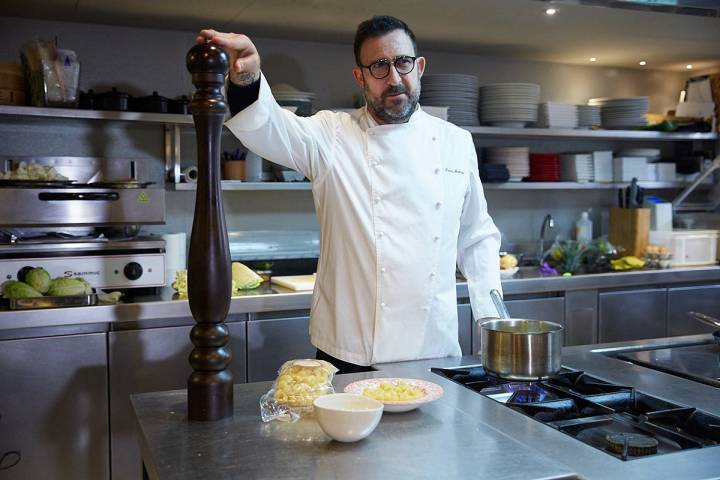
<point>380,234</point>
<point>437,170</point>
<point>383,269</point>
<point>426,308</point>
<point>432,274</point>
<point>436,238</point>
<point>433,139</point>
<point>438,204</point>
<point>382,304</point>
<point>377,199</point>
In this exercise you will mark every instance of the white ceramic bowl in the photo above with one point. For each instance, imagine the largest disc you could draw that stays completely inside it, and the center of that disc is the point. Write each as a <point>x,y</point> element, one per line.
<point>347,417</point>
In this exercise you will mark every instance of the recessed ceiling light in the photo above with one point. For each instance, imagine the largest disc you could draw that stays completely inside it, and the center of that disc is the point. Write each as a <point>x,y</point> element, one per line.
<point>593,59</point>
<point>643,62</point>
<point>688,66</point>
<point>551,11</point>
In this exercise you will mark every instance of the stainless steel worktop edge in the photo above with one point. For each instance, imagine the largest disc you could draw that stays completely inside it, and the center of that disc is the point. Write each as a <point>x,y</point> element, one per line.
<point>163,307</point>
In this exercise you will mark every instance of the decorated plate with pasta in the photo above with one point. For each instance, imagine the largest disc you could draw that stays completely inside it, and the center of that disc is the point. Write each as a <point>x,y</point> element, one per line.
<point>397,394</point>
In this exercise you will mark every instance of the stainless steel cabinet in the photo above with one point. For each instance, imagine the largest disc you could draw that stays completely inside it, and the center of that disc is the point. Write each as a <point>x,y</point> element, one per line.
<point>581,317</point>
<point>152,360</point>
<point>703,299</point>
<point>54,407</point>
<point>551,309</point>
<point>465,327</point>
<point>274,339</point>
<point>632,315</point>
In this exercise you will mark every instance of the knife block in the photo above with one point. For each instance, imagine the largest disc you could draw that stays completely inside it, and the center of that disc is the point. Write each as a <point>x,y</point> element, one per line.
<point>630,228</point>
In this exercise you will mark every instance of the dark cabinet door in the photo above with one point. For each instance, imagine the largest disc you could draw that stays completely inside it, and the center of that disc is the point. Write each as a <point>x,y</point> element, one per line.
<point>152,360</point>
<point>704,299</point>
<point>632,315</point>
<point>53,407</point>
<point>465,322</point>
<point>273,341</point>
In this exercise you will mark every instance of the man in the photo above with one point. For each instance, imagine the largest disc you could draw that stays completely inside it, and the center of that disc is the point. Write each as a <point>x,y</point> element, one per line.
<point>398,199</point>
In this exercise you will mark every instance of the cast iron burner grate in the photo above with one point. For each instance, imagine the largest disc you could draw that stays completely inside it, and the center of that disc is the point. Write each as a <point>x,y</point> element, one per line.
<point>616,419</point>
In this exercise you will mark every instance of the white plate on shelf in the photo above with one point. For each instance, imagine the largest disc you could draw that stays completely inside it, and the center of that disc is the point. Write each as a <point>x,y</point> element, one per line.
<point>508,272</point>
<point>432,391</point>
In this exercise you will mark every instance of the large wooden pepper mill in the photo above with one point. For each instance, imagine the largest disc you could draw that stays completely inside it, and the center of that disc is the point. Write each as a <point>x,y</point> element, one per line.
<point>210,387</point>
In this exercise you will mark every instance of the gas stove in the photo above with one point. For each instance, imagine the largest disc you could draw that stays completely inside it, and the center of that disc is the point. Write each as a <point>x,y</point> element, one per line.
<point>616,419</point>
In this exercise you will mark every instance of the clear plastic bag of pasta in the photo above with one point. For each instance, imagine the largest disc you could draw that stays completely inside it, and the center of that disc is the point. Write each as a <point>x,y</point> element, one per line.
<point>298,384</point>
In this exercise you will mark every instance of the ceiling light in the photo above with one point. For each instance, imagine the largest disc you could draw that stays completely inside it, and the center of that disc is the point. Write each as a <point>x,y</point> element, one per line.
<point>593,59</point>
<point>688,66</point>
<point>551,11</point>
<point>643,62</point>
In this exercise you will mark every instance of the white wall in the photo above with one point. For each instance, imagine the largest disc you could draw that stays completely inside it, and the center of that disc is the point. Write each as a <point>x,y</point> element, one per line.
<point>142,60</point>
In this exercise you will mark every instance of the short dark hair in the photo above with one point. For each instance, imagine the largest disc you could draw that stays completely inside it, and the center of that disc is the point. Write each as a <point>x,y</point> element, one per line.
<point>378,26</point>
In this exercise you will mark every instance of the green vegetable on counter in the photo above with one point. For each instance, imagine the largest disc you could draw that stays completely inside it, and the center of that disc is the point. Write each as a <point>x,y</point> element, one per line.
<point>39,279</point>
<point>243,278</point>
<point>68,287</point>
<point>15,289</point>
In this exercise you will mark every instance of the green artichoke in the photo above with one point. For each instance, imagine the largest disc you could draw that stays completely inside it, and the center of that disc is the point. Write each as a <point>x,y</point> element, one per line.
<point>15,289</point>
<point>39,279</point>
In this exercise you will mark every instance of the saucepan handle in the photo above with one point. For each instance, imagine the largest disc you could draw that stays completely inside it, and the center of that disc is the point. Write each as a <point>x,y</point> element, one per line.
<point>499,304</point>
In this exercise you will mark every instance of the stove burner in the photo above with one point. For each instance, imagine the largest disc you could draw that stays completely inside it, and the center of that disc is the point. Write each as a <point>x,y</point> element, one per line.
<point>633,444</point>
<point>527,393</point>
<point>616,419</point>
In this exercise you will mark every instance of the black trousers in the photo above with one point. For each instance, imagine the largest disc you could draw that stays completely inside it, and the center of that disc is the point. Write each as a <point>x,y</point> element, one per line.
<point>343,367</point>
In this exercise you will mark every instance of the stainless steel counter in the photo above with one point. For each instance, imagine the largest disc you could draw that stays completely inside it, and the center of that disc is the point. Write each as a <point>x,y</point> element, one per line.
<point>461,435</point>
<point>164,308</point>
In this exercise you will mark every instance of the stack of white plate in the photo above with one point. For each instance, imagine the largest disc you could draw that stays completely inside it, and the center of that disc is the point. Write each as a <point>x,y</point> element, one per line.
<point>557,115</point>
<point>652,154</point>
<point>577,167</point>
<point>509,104</point>
<point>620,113</point>
<point>457,92</point>
<point>589,116</point>
<point>287,95</point>
<point>515,158</point>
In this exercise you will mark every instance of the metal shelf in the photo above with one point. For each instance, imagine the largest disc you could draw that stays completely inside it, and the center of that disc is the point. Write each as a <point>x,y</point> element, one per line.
<point>578,185</point>
<point>587,134</point>
<point>77,114</point>
<point>248,186</point>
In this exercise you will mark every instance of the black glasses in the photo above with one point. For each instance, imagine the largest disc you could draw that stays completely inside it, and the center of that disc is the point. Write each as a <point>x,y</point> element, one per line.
<point>404,64</point>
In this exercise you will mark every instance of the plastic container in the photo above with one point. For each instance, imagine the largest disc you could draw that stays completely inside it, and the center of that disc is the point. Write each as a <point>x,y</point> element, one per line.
<point>688,247</point>
<point>583,229</point>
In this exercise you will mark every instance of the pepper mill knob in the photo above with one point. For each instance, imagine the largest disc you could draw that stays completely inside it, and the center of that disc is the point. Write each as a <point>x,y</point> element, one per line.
<point>207,58</point>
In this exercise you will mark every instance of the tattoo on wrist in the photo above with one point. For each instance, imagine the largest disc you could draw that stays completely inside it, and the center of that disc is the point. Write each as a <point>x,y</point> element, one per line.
<point>243,79</point>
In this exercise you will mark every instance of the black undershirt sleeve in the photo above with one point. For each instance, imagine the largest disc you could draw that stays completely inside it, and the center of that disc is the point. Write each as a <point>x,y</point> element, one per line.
<point>239,98</point>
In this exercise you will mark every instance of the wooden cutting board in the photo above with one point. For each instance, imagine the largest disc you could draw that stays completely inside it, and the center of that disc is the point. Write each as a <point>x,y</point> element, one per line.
<point>295,282</point>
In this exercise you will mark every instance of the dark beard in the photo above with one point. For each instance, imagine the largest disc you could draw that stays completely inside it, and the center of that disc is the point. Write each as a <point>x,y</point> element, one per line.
<point>393,116</point>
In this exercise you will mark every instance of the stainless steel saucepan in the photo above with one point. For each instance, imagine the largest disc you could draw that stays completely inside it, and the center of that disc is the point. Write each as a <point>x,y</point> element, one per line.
<point>520,349</point>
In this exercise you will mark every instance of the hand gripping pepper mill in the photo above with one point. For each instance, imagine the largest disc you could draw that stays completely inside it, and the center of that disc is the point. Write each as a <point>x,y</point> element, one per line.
<point>210,386</point>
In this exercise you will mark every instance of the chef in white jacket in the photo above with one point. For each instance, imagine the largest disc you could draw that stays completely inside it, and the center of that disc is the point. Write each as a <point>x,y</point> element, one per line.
<point>398,199</point>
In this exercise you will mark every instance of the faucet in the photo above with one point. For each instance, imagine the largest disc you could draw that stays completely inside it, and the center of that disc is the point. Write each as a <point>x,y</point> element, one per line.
<point>548,223</point>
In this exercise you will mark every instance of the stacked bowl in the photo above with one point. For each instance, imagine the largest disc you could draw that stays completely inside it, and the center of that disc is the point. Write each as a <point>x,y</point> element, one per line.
<point>557,115</point>
<point>622,113</point>
<point>511,105</point>
<point>515,158</point>
<point>453,90</point>
<point>544,167</point>
<point>288,96</point>
<point>589,116</point>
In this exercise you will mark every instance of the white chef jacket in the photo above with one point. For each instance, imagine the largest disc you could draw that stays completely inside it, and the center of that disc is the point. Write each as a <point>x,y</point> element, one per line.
<point>398,206</point>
